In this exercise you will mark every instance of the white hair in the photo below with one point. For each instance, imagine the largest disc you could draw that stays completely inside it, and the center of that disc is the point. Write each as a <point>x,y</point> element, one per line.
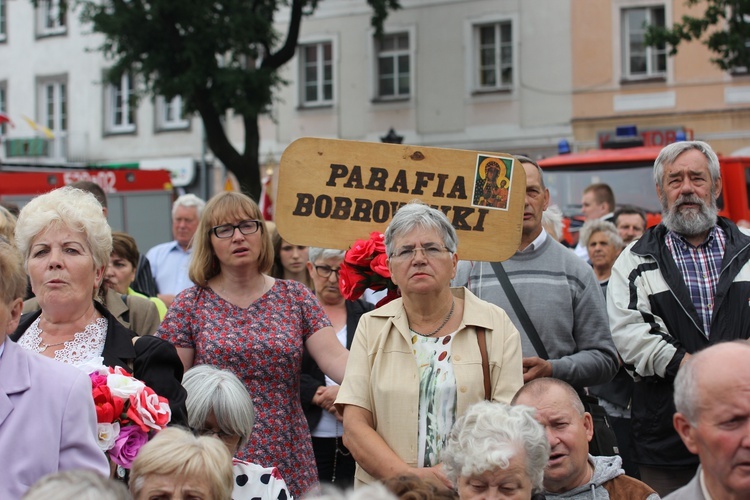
<point>416,214</point>
<point>601,226</point>
<point>74,208</point>
<point>489,435</point>
<point>188,200</point>
<point>552,221</point>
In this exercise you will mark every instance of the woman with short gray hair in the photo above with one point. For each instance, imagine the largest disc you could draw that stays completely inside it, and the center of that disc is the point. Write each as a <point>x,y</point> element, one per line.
<point>218,405</point>
<point>496,446</point>
<point>418,362</point>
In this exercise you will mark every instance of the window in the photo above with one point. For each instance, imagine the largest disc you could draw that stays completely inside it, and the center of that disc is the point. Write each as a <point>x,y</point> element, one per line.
<point>50,19</point>
<point>53,114</point>
<point>394,79</point>
<point>3,19</point>
<point>120,117</point>
<point>170,114</point>
<point>316,72</point>
<point>494,49</point>
<point>639,60</point>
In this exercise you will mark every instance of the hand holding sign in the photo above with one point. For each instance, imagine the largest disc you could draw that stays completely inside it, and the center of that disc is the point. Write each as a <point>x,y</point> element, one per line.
<point>332,192</point>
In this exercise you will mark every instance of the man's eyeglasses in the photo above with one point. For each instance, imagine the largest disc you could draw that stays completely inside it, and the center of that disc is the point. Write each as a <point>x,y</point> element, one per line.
<point>227,230</point>
<point>430,252</point>
<point>325,271</point>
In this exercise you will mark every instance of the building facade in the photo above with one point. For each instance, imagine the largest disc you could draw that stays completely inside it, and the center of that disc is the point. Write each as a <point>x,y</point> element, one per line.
<point>618,80</point>
<point>470,74</point>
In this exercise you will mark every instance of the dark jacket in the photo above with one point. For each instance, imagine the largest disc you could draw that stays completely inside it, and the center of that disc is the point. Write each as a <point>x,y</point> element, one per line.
<point>312,377</point>
<point>151,360</point>
<point>654,324</point>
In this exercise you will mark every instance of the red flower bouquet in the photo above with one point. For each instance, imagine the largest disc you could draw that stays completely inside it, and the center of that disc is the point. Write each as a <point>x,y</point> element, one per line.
<point>127,412</point>
<point>365,267</point>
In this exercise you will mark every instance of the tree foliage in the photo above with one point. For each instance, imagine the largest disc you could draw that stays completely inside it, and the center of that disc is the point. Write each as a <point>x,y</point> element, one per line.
<point>220,56</point>
<point>724,28</point>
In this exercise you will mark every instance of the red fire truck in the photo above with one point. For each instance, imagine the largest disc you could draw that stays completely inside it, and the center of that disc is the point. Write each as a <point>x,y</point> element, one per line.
<point>629,172</point>
<point>139,201</point>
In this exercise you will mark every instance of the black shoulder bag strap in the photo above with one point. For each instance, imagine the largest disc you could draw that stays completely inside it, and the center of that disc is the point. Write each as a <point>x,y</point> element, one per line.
<point>604,441</point>
<point>520,311</point>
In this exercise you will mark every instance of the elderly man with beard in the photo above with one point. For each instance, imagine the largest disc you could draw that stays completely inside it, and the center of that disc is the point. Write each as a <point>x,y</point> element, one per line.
<point>685,285</point>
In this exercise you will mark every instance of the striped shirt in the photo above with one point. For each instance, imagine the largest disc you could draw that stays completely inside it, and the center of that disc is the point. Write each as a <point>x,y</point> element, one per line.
<point>700,268</point>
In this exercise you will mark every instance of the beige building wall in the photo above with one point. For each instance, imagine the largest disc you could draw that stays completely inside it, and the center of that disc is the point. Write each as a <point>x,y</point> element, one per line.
<point>692,93</point>
<point>444,108</point>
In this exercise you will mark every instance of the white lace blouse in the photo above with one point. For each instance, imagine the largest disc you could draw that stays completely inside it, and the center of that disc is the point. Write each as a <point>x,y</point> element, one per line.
<point>82,347</point>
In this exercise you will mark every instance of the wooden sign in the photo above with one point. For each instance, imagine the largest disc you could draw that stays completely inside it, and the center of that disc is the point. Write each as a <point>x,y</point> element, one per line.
<point>333,192</point>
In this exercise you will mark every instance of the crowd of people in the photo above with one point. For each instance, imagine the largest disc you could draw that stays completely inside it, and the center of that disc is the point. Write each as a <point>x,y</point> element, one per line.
<point>614,368</point>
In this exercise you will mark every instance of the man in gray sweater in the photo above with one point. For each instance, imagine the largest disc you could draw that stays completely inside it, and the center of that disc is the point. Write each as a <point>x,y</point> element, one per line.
<point>560,294</point>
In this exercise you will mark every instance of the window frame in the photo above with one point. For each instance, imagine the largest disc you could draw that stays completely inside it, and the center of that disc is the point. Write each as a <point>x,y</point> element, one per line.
<point>164,124</point>
<point>53,111</point>
<point>320,80</point>
<point>3,21</point>
<point>498,45</point>
<point>651,53</point>
<point>48,23</point>
<point>126,109</point>
<point>394,54</point>
<point>3,105</point>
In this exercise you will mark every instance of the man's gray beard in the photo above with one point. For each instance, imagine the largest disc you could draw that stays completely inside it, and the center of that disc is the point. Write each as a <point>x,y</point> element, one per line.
<point>689,222</point>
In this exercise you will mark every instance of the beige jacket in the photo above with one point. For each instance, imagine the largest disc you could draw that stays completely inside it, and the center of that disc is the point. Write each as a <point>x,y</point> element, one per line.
<point>382,375</point>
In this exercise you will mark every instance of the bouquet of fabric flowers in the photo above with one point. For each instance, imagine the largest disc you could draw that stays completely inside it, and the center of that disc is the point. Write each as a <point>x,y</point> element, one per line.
<point>127,412</point>
<point>365,267</point>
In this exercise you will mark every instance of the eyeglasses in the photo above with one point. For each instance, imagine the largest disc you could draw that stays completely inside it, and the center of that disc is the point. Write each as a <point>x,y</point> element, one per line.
<point>212,433</point>
<point>326,271</point>
<point>227,230</point>
<point>430,252</point>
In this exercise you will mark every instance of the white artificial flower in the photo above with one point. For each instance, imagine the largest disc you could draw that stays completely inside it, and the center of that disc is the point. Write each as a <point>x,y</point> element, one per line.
<point>106,435</point>
<point>124,386</point>
<point>93,365</point>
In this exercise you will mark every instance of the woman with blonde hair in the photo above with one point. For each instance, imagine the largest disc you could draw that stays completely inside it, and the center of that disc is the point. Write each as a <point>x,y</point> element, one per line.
<point>239,318</point>
<point>177,464</point>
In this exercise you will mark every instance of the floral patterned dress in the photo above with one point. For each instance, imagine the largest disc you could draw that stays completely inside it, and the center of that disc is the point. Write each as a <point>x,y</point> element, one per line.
<point>263,346</point>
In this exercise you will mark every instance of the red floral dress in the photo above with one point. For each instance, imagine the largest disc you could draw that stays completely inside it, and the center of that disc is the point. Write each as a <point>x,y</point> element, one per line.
<point>263,346</point>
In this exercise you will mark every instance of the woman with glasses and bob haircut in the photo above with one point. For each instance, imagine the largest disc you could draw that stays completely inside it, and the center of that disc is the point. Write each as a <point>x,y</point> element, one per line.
<point>218,405</point>
<point>318,393</point>
<point>240,319</point>
<point>416,363</point>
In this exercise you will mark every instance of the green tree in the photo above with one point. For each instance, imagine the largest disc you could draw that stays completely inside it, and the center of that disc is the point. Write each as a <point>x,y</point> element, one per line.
<point>724,28</point>
<point>221,56</point>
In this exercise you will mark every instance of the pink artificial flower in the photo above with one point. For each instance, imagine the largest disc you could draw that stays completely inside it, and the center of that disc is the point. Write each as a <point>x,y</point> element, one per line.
<point>127,444</point>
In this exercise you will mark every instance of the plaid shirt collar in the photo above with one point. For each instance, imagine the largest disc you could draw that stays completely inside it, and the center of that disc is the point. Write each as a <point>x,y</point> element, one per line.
<point>700,268</point>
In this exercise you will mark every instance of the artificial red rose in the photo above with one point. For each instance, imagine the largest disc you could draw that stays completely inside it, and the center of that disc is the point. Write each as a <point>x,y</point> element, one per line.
<point>149,411</point>
<point>360,253</point>
<point>351,282</point>
<point>108,407</point>
<point>379,265</point>
<point>379,240</point>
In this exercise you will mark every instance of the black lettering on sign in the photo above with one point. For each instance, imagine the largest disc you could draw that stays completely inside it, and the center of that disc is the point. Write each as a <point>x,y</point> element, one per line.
<point>381,211</point>
<point>459,218</point>
<point>459,189</point>
<point>355,178</point>
<point>378,176</point>
<point>362,210</point>
<point>423,179</point>
<point>337,172</point>
<point>323,206</point>
<point>479,226</point>
<point>342,208</point>
<point>304,205</point>
<point>399,184</point>
<point>440,191</point>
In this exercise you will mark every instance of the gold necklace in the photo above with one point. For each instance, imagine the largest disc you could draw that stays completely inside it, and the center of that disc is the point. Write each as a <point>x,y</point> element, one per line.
<point>44,346</point>
<point>445,322</point>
